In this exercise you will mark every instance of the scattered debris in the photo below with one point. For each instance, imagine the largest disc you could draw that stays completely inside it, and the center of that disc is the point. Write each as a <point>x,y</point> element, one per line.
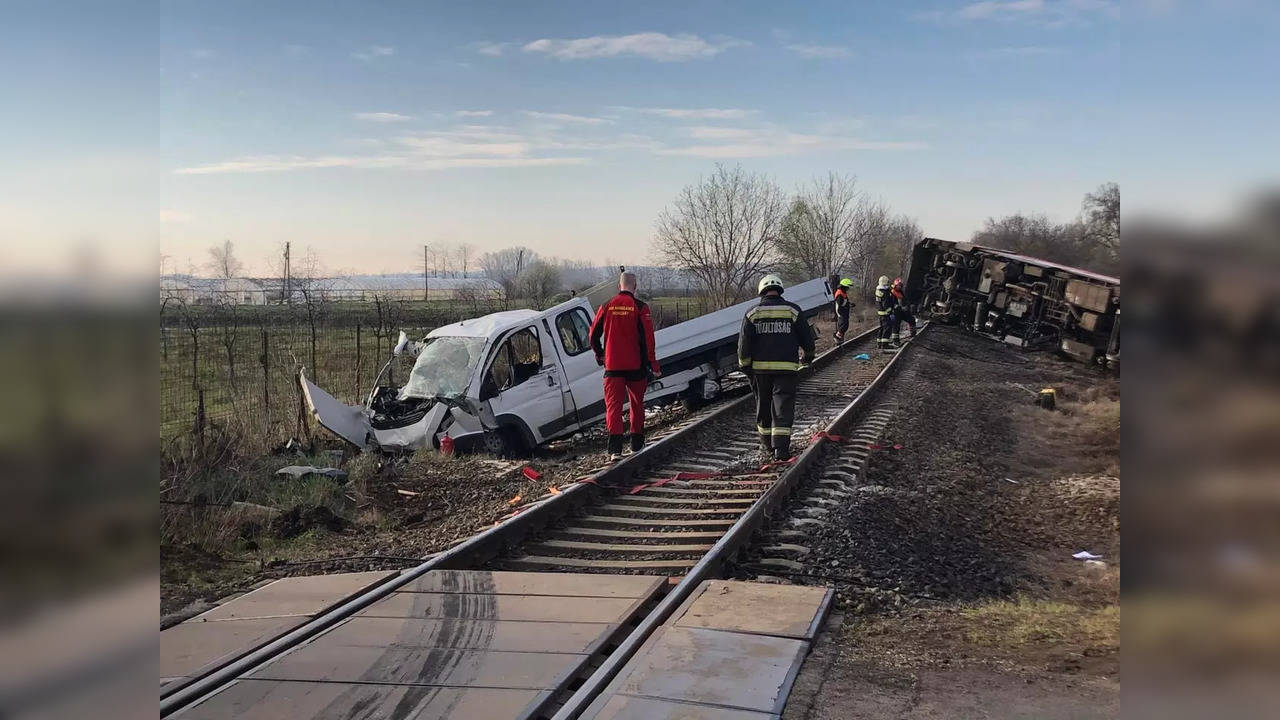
<point>300,471</point>
<point>408,493</point>
<point>1086,555</point>
<point>531,473</point>
<point>514,500</point>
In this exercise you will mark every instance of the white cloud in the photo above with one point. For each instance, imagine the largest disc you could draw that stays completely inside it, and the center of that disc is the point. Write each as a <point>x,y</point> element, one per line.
<point>703,132</point>
<point>996,8</point>
<point>564,117</point>
<point>1049,13</point>
<point>382,117</point>
<point>375,51</point>
<point>1022,51</point>
<point>278,163</point>
<point>464,146</point>
<point>650,45</point>
<point>695,113</point>
<point>819,51</point>
<point>473,113</point>
<point>770,142</point>
<point>174,217</point>
<point>492,49</point>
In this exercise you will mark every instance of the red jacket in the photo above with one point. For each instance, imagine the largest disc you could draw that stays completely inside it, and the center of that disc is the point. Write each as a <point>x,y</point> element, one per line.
<point>622,336</point>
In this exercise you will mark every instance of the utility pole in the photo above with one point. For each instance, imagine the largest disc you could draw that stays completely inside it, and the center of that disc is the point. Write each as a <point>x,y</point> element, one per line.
<point>288,294</point>
<point>426,290</point>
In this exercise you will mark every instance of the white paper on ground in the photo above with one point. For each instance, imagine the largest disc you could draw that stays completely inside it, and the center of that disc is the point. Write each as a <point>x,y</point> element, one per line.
<point>1086,555</point>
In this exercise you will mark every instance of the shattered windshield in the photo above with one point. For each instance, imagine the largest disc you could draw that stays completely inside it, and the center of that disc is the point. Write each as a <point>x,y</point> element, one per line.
<point>444,367</point>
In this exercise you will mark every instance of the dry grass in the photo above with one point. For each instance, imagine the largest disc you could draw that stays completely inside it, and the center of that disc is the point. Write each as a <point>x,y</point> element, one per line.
<point>1027,622</point>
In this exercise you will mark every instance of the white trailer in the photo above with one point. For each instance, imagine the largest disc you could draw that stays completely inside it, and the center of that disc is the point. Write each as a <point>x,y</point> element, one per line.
<point>509,381</point>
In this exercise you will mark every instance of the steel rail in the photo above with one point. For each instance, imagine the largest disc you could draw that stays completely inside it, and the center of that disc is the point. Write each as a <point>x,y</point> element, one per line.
<point>475,550</point>
<point>732,541</point>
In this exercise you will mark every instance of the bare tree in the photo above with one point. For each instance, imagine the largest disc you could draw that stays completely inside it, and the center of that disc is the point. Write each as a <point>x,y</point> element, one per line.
<point>721,230</point>
<point>1036,236</point>
<point>1101,220</point>
<point>505,266</point>
<point>541,281</point>
<point>866,237</point>
<point>819,231</point>
<point>223,262</point>
<point>462,257</point>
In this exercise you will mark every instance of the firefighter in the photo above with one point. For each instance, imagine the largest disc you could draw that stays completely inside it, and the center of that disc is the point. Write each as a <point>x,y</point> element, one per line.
<point>902,313</point>
<point>885,305</point>
<point>622,338</point>
<point>842,305</point>
<point>773,335</point>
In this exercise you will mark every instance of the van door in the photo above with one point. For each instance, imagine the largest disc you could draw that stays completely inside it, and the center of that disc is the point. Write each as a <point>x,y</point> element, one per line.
<point>523,381</point>
<point>583,376</point>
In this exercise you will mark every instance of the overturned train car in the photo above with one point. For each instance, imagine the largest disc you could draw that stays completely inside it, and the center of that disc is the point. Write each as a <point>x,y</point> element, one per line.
<point>1020,300</point>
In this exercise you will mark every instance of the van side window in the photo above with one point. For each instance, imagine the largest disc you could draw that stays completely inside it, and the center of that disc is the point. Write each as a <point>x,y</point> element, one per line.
<point>575,329</point>
<point>519,359</point>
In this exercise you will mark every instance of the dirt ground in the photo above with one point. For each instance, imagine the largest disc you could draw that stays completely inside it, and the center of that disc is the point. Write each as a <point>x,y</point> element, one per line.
<point>958,595</point>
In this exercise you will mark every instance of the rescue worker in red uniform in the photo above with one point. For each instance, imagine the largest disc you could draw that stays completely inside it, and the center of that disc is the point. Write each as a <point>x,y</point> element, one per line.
<point>902,312</point>
<point>773,334</point>
<point>842,306</point>
<point>622,337</point>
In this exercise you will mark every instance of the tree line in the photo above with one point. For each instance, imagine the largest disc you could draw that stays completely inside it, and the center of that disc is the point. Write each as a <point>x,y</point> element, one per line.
<point>733,226</point>
<point>1091,241</point>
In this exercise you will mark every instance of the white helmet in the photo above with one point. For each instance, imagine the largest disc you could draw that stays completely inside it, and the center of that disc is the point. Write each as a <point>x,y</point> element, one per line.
<point>884,281</point>
<point>770,282</point>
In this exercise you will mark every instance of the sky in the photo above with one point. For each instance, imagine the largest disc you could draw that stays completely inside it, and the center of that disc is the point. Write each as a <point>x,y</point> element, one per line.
<point>363,130</point>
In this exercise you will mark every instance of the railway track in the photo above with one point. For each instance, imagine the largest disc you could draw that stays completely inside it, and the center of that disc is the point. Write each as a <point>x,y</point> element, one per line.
<point>684,506</point>
<point>671,513</point>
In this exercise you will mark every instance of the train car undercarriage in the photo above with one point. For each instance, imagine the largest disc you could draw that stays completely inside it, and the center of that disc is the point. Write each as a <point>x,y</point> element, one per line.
<point>1019,300</point>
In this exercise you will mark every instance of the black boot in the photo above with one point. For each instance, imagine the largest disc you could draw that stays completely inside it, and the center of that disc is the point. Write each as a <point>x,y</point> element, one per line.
<point>782,452</point>
<point>637,442</point>
<point>615,447</point>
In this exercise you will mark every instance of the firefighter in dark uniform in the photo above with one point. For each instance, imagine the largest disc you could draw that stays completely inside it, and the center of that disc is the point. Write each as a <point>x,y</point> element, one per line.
<point>774,335</point>
<point>902,313</point>
<point>843,305</point>
<point>886,303</point>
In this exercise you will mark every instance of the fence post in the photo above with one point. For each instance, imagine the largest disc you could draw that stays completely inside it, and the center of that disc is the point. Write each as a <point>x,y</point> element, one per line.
<point>357,395</point>
<point>199,429</point>
<point>266,377</point>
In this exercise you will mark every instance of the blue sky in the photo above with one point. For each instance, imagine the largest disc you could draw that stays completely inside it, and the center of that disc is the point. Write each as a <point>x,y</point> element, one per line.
<point>365,129</point>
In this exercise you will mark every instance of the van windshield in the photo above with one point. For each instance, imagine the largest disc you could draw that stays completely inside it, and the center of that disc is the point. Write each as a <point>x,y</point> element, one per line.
<point>444,368</point>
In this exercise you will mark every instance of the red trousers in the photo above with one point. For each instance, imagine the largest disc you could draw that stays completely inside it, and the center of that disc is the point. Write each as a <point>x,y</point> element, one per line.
<point>617,391</point>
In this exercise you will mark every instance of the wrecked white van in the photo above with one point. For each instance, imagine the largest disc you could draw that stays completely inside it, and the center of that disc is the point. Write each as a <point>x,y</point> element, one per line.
<point>506,382</point>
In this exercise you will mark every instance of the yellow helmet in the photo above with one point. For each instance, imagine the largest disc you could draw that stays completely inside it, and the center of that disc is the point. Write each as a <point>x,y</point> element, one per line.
<point>846,283</point>
<point>770,282</point>
<point>884,281</point>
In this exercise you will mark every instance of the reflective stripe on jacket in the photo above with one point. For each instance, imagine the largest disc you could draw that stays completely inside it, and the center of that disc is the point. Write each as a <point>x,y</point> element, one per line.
<point>842,302</point>
<point>773,334</point>
<point>885,301</point>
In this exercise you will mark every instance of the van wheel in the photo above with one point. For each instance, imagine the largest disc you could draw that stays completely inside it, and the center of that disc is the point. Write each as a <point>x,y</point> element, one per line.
<point>505,442</point>
<point>692,399</point>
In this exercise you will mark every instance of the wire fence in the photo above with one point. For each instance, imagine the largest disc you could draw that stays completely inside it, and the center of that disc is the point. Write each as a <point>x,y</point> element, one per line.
<point>239,365</point>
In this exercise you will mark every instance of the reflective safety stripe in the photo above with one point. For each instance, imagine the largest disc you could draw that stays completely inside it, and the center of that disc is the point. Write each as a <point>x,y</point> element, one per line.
<point>744,362</point>
<point>763,430</point>
<point>775,365</point>
<point>772,313</point>
<point>781,431</point>
<point>882,312</point>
